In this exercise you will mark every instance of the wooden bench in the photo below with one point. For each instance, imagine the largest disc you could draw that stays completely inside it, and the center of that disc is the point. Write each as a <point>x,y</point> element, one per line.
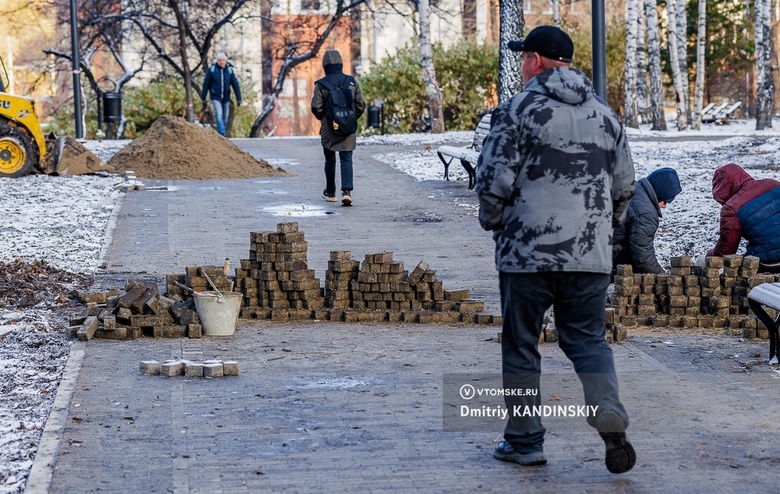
<point>468,156</point>
<point>767,294</point>
<point>720,114</point>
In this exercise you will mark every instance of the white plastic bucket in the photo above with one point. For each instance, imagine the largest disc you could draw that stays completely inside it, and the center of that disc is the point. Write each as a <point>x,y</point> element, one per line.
<point>218,314</point>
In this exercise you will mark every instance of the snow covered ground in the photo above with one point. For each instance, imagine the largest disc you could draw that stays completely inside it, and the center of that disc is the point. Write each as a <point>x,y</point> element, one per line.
<point>64,221</point>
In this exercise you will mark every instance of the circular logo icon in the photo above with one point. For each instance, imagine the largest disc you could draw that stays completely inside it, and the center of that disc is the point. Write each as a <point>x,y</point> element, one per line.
<point>467,392</point>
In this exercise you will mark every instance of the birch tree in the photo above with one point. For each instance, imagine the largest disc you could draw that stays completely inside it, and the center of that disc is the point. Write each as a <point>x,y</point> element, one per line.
<point>642,92</point>
<point>701,41</point>
<point>654,66</point>
<point>674,61</point>
<point>765,90</point>
<point>631,110</point>
<point>682,49</point>
<point>556,14</point>
<point>510,80</point>
<point>429,72</point>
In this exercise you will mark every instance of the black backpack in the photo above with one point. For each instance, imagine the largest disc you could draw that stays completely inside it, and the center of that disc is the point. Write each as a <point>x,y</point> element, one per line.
<point>340,114</point>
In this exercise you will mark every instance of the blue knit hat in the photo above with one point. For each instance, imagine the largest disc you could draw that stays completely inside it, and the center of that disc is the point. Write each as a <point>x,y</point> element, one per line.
<point>665,183</point>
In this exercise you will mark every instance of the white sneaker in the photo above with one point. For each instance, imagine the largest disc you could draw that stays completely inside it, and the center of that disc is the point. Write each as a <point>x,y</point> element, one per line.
<point>346,199</point>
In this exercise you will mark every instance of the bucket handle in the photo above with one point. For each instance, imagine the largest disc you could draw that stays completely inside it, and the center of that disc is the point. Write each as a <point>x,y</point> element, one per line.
<point>219,294</point>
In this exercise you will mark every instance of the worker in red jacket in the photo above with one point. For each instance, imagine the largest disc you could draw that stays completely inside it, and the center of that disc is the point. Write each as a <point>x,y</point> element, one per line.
<point>751,209</point>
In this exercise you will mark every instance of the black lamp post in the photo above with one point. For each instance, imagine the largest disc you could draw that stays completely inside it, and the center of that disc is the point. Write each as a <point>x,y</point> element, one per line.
<point>599,49</point>
<point>74,46</point>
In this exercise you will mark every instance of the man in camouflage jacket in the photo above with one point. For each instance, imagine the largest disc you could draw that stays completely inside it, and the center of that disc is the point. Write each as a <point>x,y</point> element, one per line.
<point>554,178</point>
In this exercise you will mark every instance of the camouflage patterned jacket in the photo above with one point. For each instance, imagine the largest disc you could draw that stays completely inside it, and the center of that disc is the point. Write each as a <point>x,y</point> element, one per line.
<point>554,176</point>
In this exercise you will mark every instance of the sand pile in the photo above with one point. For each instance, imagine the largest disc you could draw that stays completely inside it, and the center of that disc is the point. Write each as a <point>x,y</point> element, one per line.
<point>176,149</point>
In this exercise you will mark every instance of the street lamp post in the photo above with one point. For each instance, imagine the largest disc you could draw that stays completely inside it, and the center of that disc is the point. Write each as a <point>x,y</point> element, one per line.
<point>599,49</point>
<point>74,45</point>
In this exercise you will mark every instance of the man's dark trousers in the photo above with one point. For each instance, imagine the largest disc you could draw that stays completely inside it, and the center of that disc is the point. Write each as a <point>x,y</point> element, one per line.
<point>579,301</point>
<point>345,158</point>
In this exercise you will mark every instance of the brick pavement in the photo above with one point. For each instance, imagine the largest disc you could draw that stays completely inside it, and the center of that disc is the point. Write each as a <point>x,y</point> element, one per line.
<point>346,408</point>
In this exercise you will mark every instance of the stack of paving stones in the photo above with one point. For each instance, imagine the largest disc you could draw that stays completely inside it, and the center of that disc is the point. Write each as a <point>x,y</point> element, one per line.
<point>276,281</point>
<point>712,296</point>
<point>195,277</point>
<point>278,285</point>
<point>138,311</point>
<point>614,331</point>
<point>188,368</point>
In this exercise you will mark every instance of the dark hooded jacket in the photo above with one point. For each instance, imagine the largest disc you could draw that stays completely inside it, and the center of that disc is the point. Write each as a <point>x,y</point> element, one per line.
<point>554,176</point>
<point>218,82</point>
<point>751,209</point>
<point>333,67</point>
<point>633,241</point>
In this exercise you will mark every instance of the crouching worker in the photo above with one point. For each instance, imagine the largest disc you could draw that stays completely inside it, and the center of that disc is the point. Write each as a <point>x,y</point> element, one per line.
<point>751,209</point>
<point>632,243</point>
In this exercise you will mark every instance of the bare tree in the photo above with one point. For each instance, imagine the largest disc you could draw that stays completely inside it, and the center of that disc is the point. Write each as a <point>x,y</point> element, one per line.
<point>674,61</point>
<point>290,60</point>
<point>642,92</point>
<point>556,13</point>
<point>765,89</point>
<point>197,27</point>
<point>101,30</point>
<point>701,41</point>
<point>429,71</point>
<point>631,110</point>
<point>656,81</point>
<point>682,49</point>
<point>510,80</point>
<point>189,112</point>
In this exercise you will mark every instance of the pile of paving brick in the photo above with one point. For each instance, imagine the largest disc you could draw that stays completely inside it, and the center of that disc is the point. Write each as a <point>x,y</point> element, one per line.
<point>278,285</point>
<point>712,296</point>
<point>137,311</point>
<point>187,368</point>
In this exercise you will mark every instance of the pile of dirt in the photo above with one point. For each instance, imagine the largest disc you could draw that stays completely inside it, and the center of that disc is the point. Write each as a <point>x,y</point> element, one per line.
<point>174,149</point>
<point>25,284</point>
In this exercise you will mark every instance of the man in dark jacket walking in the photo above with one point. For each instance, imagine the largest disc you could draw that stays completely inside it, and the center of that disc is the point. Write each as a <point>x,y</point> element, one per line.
<point>554,177</point>
<point>219,79</point>
<point>331,141</point>
<point>633,241</point>
<point>751,209</point>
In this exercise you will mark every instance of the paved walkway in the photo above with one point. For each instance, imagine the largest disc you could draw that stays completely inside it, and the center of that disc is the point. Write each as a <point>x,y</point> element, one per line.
<point>358,408</point>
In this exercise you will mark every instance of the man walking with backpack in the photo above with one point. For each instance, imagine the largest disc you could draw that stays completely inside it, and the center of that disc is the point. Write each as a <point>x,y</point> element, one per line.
<point>337,103</point>
<point>219,79</point>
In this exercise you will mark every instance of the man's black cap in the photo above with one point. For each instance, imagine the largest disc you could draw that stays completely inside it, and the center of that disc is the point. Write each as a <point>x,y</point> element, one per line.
<point>548,41</point>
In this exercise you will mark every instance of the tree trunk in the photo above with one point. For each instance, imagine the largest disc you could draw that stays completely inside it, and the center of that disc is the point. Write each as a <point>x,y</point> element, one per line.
<point>510,80</point>
<point>656,81</point>
<point>556,13</point>
<point>765,90</point>
<point>630,111</point>
<point>429,71</point>
<point>642,92</point>
<point>674,59</point>
<point>189,113</point>
<point>495,23</point>
<point>682,49</point>
<point>701,41</point>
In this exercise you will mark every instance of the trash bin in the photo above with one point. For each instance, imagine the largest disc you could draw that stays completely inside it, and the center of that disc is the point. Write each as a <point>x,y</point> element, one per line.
<point>374,117</point>
<point>112,107</point>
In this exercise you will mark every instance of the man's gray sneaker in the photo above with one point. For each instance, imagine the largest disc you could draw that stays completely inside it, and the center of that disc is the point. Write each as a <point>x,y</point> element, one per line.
<point>620,456</point>
<point>329,197</point>
<point>505,452</point>
<point>346,198</point>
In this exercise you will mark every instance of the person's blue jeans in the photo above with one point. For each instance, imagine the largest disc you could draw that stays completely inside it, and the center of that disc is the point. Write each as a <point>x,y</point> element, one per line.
<point>345,158</point>
<point>579,300</point>
<point>221,114</point>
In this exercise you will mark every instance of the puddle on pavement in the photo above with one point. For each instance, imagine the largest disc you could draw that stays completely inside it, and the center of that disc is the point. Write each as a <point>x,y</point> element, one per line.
<point>338,382</point>
<point>297,210</point>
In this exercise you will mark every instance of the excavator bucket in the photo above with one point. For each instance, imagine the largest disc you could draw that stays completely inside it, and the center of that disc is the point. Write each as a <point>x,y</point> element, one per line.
<point>66,156</point>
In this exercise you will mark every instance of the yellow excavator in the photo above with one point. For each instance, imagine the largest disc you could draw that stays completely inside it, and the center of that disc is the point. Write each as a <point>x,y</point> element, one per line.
<point>24,149</point>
